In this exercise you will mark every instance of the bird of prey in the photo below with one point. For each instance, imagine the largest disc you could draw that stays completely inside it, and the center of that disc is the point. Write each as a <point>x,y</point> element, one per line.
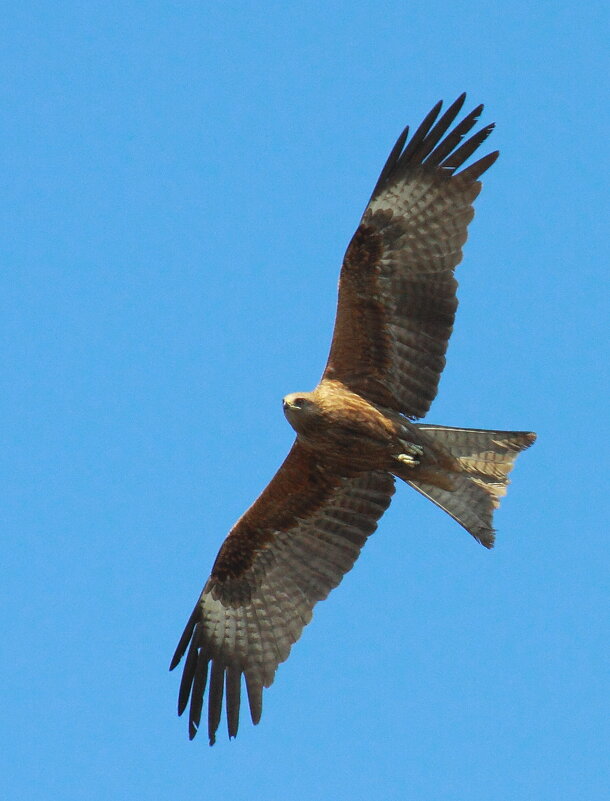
<point>355,431</point>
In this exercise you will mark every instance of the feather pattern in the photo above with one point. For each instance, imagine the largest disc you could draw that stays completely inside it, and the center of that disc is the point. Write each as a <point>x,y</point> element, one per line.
<point>395,313</point>
<point>397,291</point>
<point>247,624</point>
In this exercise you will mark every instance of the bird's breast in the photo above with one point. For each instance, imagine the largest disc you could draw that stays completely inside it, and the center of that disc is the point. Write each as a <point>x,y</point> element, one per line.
<point>349,429</point>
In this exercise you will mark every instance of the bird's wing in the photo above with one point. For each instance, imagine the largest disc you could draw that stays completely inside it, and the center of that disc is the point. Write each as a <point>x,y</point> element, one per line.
<point>286,553</point>
<point>397,291</point>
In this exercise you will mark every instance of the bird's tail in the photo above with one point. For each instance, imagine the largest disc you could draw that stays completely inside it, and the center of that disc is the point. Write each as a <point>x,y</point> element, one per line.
<point>469,489</point>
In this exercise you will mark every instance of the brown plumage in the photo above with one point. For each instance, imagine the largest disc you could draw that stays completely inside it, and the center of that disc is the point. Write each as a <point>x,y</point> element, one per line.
<point>397,303</point>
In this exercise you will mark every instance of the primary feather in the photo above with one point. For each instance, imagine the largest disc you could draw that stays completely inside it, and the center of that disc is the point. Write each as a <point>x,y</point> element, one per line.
<point>395,313</point>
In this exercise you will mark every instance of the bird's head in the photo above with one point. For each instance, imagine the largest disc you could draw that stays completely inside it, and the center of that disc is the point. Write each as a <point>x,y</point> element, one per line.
<point>298,408</point>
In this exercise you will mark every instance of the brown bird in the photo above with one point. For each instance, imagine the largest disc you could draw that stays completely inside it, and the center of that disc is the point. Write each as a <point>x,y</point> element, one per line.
<point>397,303</point>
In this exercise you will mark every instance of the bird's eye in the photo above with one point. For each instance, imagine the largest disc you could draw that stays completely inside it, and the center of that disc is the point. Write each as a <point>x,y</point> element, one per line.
<point>298,402</point>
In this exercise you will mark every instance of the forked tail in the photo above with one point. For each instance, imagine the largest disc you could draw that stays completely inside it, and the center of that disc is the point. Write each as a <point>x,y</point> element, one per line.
<point>483,460</point>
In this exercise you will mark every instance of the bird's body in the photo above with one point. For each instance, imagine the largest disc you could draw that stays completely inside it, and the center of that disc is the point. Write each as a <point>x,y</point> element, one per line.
<point>356,430</point>
<point>344,429</point>
<point>350,434</point>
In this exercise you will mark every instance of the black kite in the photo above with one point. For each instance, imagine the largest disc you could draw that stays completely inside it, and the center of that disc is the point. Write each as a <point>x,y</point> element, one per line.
<point>397,303</point>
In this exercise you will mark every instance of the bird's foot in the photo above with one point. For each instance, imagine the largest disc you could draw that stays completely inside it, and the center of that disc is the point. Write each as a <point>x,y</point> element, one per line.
<point>407,459</point>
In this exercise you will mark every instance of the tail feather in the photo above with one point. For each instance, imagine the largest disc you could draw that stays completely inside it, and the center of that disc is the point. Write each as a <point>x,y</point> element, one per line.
<point>483,459</point>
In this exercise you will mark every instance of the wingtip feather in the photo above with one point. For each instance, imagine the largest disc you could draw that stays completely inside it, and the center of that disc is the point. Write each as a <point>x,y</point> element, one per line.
<point>438,146</point>
<point>185,638</point>
<point>476,170</point>
<point>188,676</point>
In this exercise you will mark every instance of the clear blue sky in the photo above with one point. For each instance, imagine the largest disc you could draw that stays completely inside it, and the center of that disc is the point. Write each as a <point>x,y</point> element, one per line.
<point>179,183</point>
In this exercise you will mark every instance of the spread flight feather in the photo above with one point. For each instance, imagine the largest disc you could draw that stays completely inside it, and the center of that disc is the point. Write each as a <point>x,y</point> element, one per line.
<point>356,429</point>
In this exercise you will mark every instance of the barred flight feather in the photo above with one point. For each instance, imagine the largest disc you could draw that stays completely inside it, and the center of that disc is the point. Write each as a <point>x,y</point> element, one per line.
<point>395,314</point>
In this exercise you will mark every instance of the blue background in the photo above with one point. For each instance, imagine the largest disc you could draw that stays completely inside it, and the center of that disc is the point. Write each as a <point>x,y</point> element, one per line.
<point>179,183</point>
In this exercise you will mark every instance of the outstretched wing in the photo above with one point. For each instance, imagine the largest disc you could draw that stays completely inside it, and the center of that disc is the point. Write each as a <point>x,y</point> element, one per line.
<point>397,291</point>
<point>287,552</point>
